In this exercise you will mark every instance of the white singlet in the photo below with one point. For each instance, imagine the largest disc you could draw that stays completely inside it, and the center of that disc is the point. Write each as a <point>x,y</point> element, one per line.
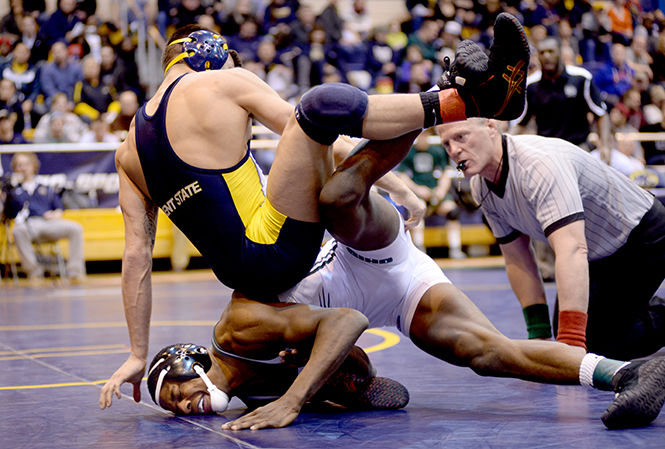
<point>386,284</point>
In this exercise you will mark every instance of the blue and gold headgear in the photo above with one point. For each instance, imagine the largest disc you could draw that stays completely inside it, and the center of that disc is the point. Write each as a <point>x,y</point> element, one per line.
<point>202,50</point>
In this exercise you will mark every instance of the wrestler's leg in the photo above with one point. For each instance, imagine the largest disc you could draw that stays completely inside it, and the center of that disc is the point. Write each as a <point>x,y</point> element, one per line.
<point>302,160</point>
<point>302,166</point>
<point>350,213</point>
<point>474,85</point>
<point>300,169</point>
<point>332,109</point>
<point>390,116</point>
<point>450,327</point>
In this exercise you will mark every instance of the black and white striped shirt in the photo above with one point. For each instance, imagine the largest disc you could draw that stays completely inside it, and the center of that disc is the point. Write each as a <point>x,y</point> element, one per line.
<point>551,183</point>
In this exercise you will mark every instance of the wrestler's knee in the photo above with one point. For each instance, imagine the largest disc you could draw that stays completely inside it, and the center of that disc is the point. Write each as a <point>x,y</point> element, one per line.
<point>340,193</point>
<point>331,109</point>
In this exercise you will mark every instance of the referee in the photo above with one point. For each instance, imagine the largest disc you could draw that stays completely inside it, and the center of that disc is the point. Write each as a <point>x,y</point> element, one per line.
<point>560,98</point>
<point>608,236</point>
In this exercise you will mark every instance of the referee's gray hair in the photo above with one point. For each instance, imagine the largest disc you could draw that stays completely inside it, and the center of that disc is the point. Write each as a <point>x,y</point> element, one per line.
<point>477,120</point>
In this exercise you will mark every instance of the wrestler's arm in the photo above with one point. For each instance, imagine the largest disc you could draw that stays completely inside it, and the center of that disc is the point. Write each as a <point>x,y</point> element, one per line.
<point>140,219</point>
<point>256,97</point>
<point>522,272</point>
<point>331,334</point>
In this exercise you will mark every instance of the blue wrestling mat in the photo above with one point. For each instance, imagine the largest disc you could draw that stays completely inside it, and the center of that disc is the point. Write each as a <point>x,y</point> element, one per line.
<point>59,345</point>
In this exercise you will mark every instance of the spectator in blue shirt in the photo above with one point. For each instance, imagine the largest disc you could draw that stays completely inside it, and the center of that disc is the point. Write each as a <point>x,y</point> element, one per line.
<point>61,75</point>
<point>616,77</point>
<point>38,217</point>
<point>382,59</point>
<point>9,101</point>
<point>247,41</point>
<point>60,25</point>
<point>7,133</point>
<point>279,12</point>
<point>351,58</point>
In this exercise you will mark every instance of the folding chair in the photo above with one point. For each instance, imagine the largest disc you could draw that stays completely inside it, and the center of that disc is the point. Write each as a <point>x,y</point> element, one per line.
<point>49,256</point>
<point>47,252</point>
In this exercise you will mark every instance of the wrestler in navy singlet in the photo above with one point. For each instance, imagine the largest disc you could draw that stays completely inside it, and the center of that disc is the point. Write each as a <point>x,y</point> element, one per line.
<point>249,245</point>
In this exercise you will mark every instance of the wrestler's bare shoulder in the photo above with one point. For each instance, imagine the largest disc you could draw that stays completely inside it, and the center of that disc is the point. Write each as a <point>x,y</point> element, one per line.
<point>127,147</point>
<point>205,86</point>
<point>228,82</point>
<point>127,160</point>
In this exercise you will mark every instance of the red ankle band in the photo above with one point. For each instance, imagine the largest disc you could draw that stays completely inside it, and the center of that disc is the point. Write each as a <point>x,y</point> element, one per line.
<point>572,328</point>
<point>452,106</point>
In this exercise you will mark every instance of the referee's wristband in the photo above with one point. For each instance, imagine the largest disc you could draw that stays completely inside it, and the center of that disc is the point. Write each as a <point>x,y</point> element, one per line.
<point>537,317</point>
<point>572,328</point>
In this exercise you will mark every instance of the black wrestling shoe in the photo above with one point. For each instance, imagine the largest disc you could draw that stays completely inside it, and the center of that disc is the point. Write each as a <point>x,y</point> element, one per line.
<point>494,86</point>
<point>382,393</point>
<point>640,394</point>
<point>354,392</point>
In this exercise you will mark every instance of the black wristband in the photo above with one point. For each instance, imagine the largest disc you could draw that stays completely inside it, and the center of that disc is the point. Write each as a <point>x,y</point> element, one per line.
<point>432,108</point>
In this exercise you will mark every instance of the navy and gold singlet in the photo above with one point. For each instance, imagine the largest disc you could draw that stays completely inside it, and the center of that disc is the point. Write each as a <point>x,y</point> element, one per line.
<point>249,245</point>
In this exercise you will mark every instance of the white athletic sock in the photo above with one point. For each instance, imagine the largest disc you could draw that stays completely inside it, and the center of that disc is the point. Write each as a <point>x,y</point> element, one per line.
<point>597,371</point>
<point>587,367</point>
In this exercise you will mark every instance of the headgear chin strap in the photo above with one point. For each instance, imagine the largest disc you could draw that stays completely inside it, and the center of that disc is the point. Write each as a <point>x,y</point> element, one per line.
<point>183,362</point>
<point>202,50</point>
<point>219,400</point>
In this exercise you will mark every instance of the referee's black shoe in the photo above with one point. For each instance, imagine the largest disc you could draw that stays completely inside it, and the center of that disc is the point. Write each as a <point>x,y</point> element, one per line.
<point>494,86</point>
<point>640,394</point>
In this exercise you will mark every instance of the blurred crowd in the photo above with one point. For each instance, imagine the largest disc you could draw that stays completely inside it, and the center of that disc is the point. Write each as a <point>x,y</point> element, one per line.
<point>68,76</point>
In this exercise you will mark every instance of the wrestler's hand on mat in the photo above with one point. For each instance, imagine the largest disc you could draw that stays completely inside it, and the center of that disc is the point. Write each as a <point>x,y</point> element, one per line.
<point>279,413</point>
<point>414,205</point>
<point>131,371</point>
